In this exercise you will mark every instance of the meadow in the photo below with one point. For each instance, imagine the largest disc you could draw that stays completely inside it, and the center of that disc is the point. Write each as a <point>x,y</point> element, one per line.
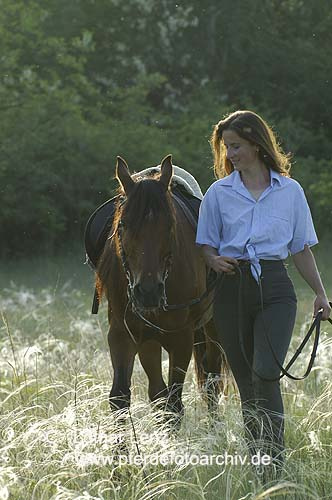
<point>60,441</point>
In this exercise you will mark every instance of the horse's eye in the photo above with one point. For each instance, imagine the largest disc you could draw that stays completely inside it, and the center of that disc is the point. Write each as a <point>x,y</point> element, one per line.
<point>131,251</point>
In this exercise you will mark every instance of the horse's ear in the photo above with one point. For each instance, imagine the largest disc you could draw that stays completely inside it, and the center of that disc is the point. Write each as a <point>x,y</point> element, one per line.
<point>123,175</point>
<point>166,171</point>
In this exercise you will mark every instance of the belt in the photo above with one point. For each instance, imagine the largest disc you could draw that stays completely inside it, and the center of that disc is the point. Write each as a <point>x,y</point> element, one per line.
<point>244,264</point>
<point>265,263</point>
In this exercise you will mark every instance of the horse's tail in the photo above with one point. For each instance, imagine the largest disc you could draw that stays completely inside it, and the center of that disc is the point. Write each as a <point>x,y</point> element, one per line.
<point>222,379</point>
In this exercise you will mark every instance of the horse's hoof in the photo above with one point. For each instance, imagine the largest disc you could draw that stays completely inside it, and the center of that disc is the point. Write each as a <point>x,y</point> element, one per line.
<point>119,402</point>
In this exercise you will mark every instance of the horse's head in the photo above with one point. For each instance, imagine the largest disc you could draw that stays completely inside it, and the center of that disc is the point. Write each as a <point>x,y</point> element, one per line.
<point>146,225</point>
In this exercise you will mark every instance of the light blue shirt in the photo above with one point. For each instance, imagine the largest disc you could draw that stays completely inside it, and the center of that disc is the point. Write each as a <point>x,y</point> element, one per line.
<point>277,224</point>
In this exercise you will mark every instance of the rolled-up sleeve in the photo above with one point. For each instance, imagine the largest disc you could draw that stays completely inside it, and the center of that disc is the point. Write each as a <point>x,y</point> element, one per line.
<point>303,228</point>
<point>209,221</point>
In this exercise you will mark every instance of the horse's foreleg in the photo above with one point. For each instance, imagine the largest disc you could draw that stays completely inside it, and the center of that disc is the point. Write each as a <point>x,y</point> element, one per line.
<point>122,350</point>
<point>150,356</point>
<point>179,358</point>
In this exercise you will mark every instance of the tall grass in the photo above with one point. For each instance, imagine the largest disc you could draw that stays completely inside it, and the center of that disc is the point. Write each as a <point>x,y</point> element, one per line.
<point>59,439</point>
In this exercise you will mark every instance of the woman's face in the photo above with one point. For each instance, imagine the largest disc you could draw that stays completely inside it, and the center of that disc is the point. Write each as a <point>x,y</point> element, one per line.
<point>242,153</point>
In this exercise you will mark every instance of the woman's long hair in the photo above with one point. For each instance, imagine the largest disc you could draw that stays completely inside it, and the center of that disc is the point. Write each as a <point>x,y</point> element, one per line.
<point>254,129</point>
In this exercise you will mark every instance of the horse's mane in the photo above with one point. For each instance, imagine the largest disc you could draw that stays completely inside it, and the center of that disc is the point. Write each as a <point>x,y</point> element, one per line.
<point>147,201</point>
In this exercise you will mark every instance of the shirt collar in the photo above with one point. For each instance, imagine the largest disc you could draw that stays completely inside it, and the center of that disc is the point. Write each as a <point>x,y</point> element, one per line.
<point>234,179</point>
<point>275,176</point>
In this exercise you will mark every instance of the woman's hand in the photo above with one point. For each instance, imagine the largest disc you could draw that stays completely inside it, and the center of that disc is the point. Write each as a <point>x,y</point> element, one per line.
<point>322,302</point>
<point>218,263</point>
<point>306,265</point>
<point>222,264</point>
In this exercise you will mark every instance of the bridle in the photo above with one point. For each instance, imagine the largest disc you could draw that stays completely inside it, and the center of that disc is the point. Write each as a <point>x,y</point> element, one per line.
<point>129,275</point>
<point>164,304</point>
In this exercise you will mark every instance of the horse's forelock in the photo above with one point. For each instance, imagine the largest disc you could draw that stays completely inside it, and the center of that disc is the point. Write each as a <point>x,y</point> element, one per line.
<point>147,201</point>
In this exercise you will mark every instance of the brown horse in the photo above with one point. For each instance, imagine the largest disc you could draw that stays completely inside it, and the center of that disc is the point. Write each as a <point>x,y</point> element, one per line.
<point>150,260</point>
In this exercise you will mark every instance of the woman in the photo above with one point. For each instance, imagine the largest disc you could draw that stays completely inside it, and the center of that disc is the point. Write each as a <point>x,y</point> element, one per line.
<point>250,220</point>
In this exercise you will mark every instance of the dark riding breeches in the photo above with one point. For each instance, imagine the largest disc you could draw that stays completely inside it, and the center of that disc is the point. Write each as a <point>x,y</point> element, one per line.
<point>261,400</point>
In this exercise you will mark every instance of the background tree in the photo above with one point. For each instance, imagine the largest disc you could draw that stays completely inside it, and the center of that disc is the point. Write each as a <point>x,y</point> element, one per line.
<point>83,81</point>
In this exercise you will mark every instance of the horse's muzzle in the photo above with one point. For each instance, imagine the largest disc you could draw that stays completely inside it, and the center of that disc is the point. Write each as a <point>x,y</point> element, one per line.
<point>151,297</point>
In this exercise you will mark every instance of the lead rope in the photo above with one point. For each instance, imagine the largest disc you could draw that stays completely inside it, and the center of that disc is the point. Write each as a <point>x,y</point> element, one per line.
<point>285,372</point>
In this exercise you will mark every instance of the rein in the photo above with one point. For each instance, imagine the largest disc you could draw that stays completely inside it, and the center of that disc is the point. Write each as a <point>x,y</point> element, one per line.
<point>216,283</point>
<point>284,371</point>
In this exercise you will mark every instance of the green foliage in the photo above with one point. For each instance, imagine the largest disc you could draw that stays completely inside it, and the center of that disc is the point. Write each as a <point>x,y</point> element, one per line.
<point>315,175</point>
<point>84,81</point>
